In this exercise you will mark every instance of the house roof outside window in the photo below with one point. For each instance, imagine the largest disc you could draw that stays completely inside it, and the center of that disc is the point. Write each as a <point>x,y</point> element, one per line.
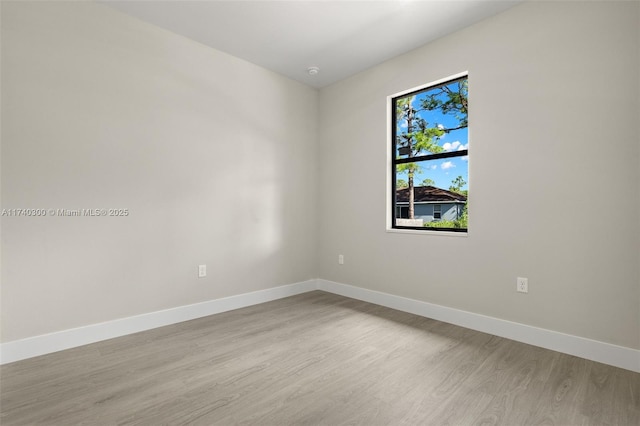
<point>429,194</point>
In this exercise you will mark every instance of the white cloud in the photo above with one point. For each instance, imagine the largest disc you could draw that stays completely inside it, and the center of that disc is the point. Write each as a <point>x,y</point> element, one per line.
<point>452,146</point>
<point>432,167</point>
<point>447,165</point>
<point>455,146</point>
<point>465,158</point>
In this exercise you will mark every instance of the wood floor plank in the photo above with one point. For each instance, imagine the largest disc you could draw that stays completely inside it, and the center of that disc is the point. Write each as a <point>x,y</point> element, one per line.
<point>315,359</point>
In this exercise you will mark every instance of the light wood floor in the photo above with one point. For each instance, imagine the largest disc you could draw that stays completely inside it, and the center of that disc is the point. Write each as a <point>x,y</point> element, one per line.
<point>315,359</point>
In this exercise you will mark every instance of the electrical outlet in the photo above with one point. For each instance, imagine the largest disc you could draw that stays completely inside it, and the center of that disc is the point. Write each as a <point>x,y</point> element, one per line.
<point>202,271</point>
<point>522,285</point>
<point>340,259</point>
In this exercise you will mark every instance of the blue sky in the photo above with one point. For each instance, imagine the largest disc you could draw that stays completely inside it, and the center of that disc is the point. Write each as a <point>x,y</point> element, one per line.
<point>442,171</point>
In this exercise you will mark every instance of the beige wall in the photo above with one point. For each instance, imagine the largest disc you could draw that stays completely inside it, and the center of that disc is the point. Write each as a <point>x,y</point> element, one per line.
<point>554,173</point>
<point>214,158</point>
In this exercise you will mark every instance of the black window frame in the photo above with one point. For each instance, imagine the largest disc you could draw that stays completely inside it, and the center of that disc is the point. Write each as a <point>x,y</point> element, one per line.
<point>420,158</point>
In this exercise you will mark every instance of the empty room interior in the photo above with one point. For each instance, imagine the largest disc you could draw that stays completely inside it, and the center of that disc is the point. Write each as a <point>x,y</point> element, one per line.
<point>250,212</point>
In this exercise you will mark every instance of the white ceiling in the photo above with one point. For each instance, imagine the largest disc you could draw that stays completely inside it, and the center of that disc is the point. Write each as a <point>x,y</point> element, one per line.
<point>342,38</point>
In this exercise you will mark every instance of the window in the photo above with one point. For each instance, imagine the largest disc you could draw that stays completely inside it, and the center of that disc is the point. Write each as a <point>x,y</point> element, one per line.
<point>402,212</point>
<point>437,212</point>
<point>429,157</point>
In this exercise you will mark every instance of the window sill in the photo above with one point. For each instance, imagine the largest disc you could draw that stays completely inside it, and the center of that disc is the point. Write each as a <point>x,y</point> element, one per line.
<point>415,231</point>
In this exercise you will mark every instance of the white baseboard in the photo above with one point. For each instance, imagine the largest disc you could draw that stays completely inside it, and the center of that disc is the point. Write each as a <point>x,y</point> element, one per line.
<point>606,353</point>
<point>594,350</point>
<point>47,343</point>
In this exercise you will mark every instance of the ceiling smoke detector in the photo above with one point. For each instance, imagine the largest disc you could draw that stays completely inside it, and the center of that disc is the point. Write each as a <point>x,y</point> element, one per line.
<point>313,70</point>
